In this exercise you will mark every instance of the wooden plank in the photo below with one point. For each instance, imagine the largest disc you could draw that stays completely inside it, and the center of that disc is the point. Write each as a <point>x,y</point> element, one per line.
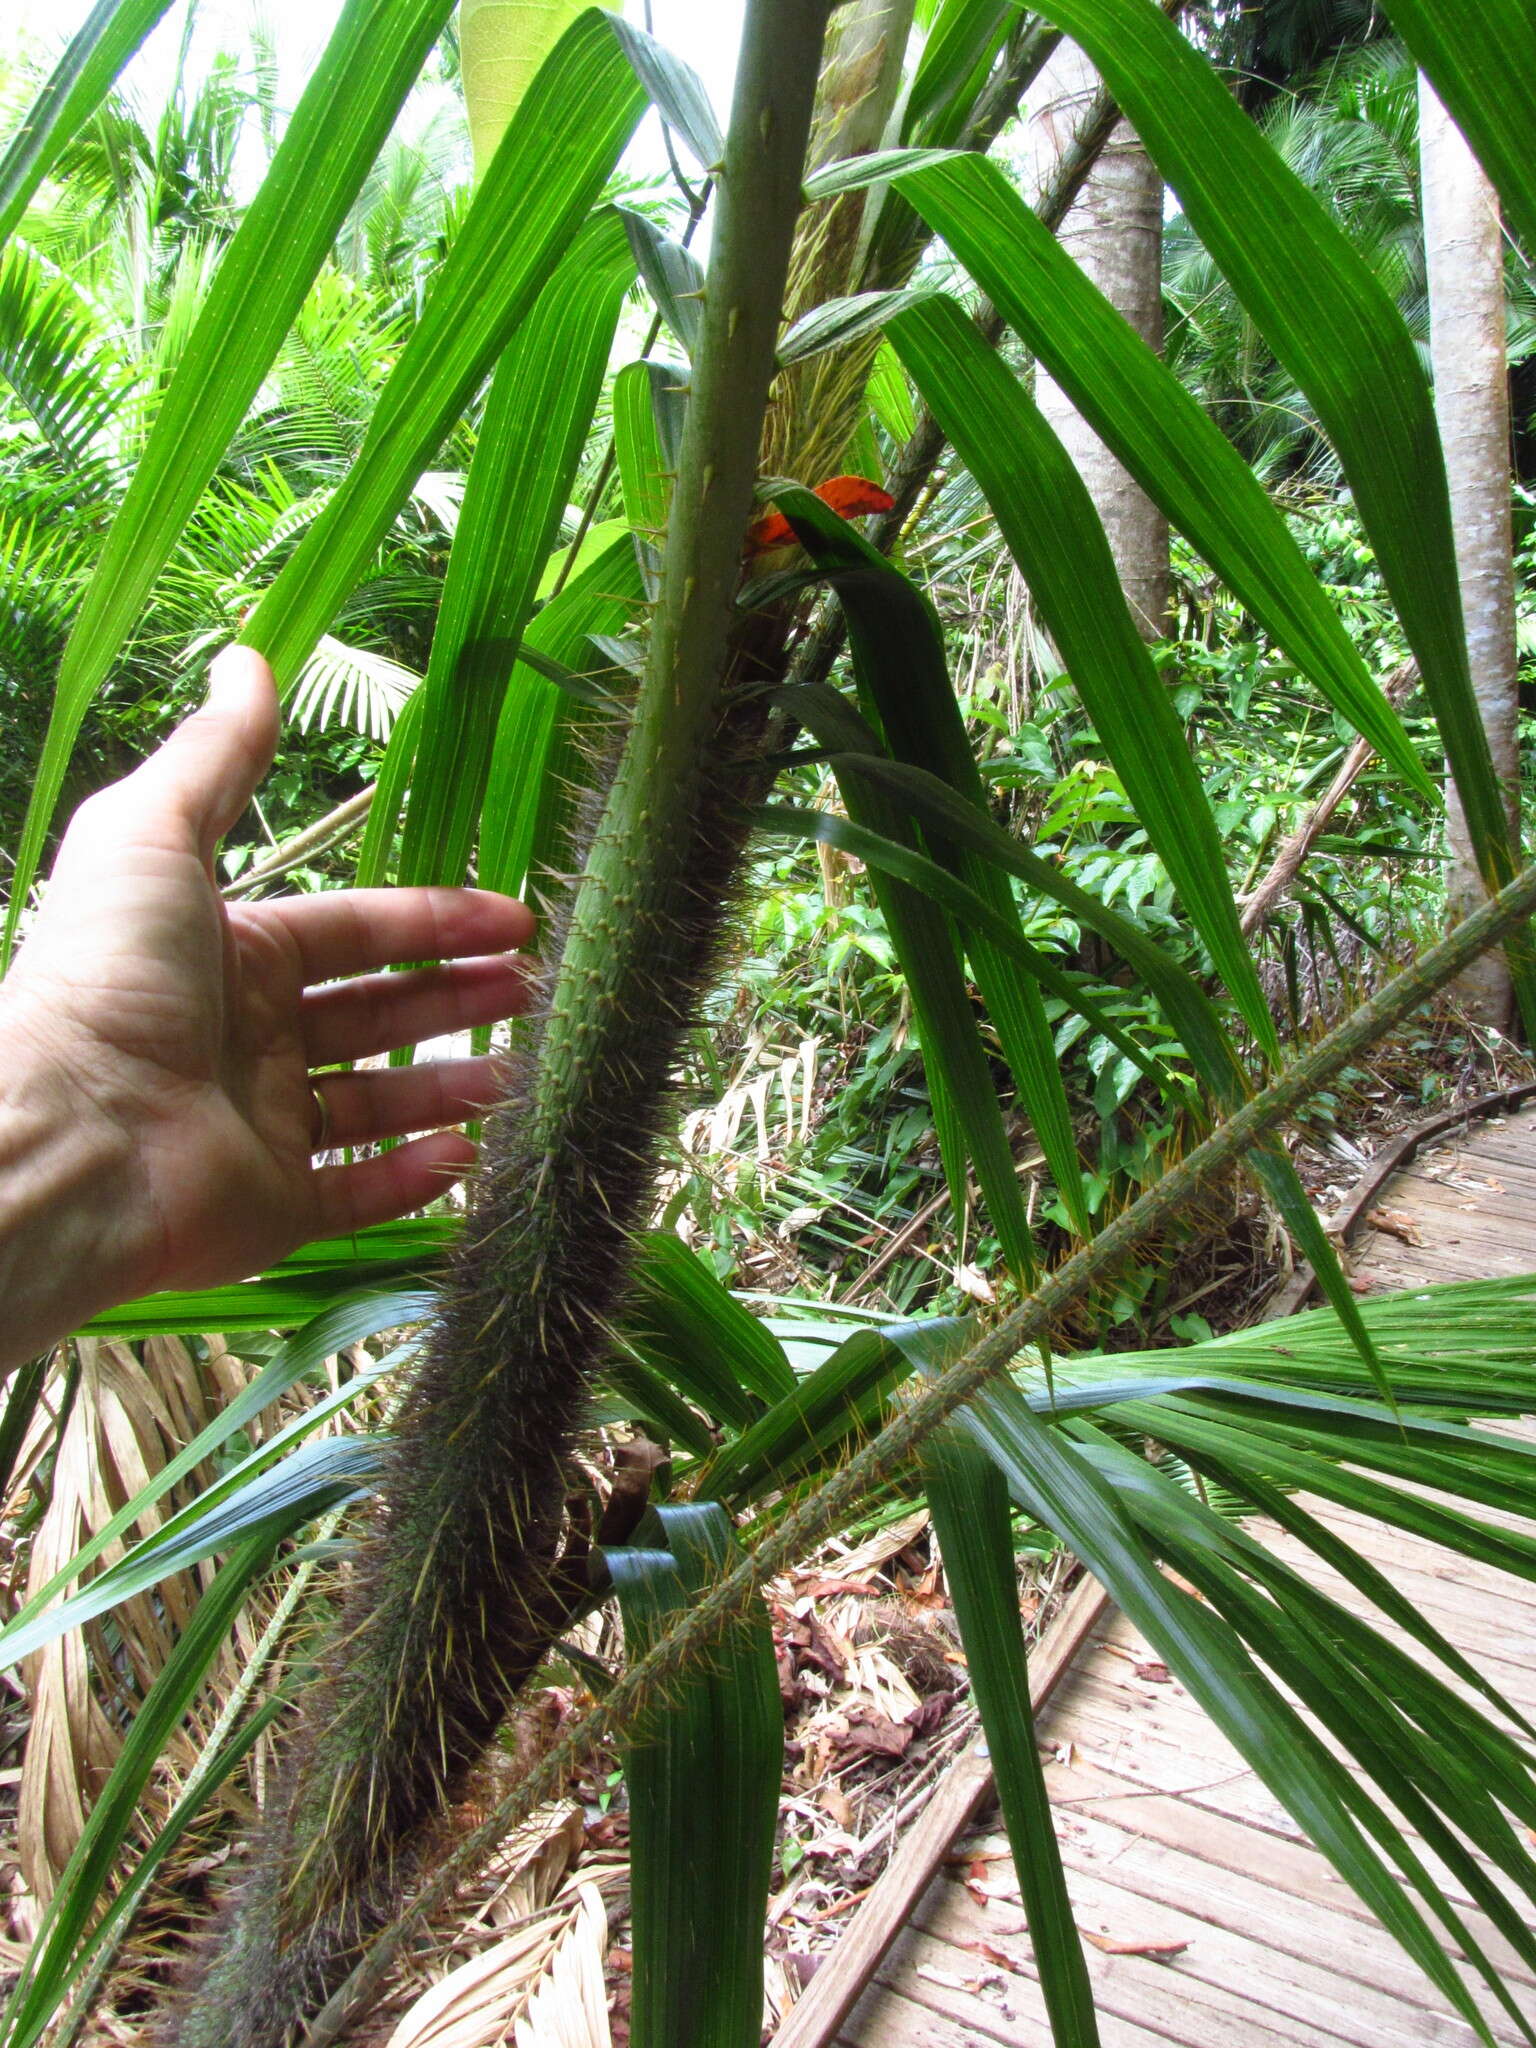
<point>1394,1154</point>
<point>1434,1565</point>
<point>1309,1961</point>
<point>1478,1626</point>
<point>1198,2005</point>
<point>1012,2012</point>
<point>1228,1842</point>
<point>1401,1268</point>
<point>1445,1215</point>
<point>1505,1195</point>
<point>885,2016</point>
<point>816,2017</point>
<point>1153,1763</point>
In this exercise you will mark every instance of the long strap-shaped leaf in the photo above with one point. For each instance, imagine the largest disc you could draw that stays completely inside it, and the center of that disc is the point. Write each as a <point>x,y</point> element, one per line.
<point>303,1354</point>
<point>80,81</point>
<point>536,420</point>
<point>1482,62</point>
<point>936,806</point>
<point>538,769</point>
<point>1054,534</point>
<point>1173,448</point>
<point>559,148</point>
<point>1333,325</point>
<point>898,655</point>
<point>843,1400</point>
<point>966,1113</point>
<point>337,130</point>
<point>703,1789</point>
<point>1399,1724</point>
<point>1055,1482</point>
<point>970,911</point>
<point>968,1498</point>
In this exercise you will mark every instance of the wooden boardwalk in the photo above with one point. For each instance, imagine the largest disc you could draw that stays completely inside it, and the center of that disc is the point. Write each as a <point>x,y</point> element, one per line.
<point>1171,1844</point>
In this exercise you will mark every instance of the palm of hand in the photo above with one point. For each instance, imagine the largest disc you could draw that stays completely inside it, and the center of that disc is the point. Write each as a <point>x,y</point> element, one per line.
<point>183,1032</point>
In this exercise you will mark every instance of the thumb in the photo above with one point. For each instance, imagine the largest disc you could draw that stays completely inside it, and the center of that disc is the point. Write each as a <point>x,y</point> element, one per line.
<point>211,766</point>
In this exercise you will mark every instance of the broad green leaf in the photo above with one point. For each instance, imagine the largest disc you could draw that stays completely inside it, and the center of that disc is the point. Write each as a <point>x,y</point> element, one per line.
<point>1332,323</point>
<point>317,1277</point>
<point>305,1353</point>
<point>549,168</point>
<point>843,1399</point>
<point>1170,445</point>
<point>268,1495</point>
<point>649,403</point>
<point>1054,534</point>
<point>971,911</point>
<point>536,421</point>
<point>644,393</point>
<point>678,94</point>
<point>679,1311</point>
<point>337,130</point>
<point>1482,62</point>
<point>376,855</point>
<point>968,1499</point>
<point>1055,1482</point>
<point>855,173</point>
<point>563,565</point>
<point>532,798</point>
<point>85,1878</point>
<point>79,82</point>
<point>836,322</point>
<point>502,43</point>
<point>673,276</point>
<point>899,660</point>
<point>889,398</point>
<point>965,37</point>
<point>703,1777</point>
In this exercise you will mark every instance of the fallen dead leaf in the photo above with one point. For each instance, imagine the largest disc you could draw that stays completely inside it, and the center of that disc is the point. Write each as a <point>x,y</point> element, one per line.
<point>872,1734</point>
<point>832,1801</point>
<point>1396,1223</point>
<point>821,1589</point>
<point>992,1954</point>
<point>1109,1946</point>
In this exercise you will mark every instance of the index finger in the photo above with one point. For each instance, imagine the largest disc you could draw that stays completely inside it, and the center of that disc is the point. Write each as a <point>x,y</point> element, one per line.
<point>352,931</point>
<point>210,767</point>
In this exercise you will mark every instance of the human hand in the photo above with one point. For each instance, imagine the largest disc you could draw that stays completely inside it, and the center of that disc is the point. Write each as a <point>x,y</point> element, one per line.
<point>157,1118</point>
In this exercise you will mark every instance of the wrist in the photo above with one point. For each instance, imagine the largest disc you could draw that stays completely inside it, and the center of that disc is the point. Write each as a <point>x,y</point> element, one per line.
<point>64,1194</point>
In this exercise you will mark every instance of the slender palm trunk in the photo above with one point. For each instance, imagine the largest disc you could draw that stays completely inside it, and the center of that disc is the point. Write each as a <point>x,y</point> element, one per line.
<point>1463,247</point>
<point>1115,234</point>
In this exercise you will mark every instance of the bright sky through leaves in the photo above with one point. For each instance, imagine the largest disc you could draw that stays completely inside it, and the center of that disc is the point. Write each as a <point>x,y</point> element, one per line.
<point>705,32</point>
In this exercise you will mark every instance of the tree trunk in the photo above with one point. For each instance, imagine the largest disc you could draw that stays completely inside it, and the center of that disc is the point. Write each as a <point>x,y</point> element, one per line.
<point>1463,248</point>
<point>1115,234</point>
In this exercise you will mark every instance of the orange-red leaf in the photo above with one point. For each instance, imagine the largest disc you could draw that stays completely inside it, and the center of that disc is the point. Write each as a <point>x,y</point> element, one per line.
<point>850,497</point>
